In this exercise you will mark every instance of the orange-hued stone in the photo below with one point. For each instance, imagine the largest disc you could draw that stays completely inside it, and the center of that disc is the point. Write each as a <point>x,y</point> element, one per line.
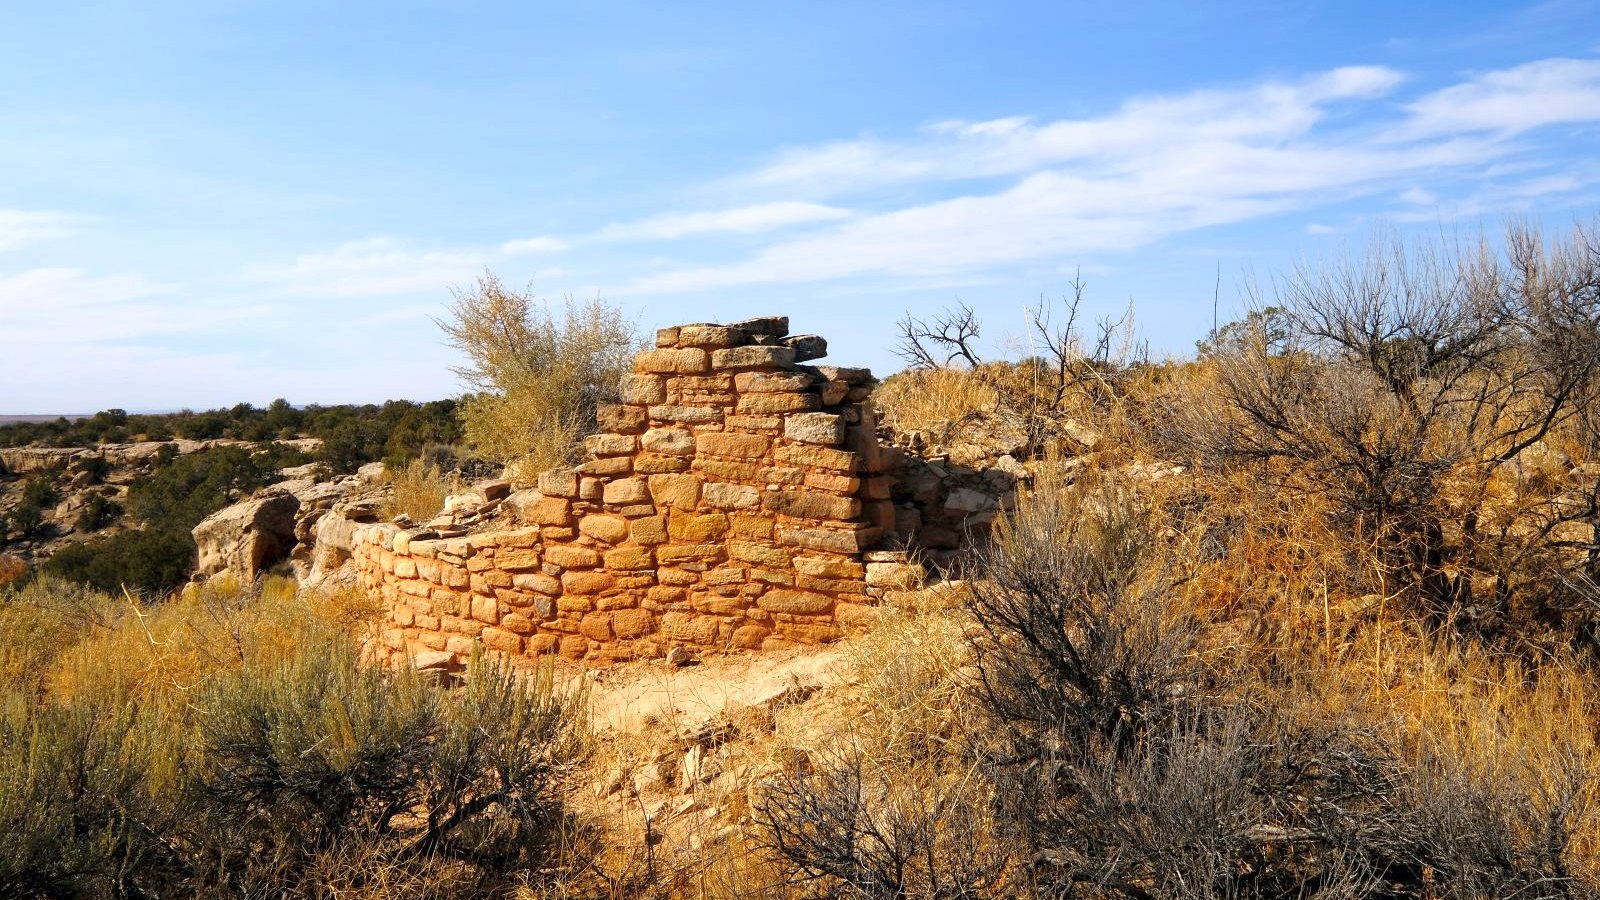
<point>696,528</point>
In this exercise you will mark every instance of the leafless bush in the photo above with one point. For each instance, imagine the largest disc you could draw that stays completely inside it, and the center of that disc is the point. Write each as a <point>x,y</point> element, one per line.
<point>948,337</point>
<point>1401,389</point>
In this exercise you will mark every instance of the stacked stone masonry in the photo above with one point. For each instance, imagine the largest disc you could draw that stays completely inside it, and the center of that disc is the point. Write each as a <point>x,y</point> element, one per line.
<point>728,503</point>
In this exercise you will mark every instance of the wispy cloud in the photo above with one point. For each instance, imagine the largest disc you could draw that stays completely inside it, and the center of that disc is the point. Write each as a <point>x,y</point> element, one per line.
<point>1510,101</point>
<point>373,267</point>
<point>755,219</point>
<point>21,227</point>
<point>1155,167</point>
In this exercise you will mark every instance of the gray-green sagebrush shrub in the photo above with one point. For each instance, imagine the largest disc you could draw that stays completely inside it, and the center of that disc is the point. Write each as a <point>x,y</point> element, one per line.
<point>279,772</point>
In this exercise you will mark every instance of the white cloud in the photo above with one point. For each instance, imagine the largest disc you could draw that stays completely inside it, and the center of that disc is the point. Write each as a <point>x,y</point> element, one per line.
<point>1155,167</point>
<point>21,227</point>
<point>1417,197</point>
<point>1510,101</point>
<point>755,219</point>
<point>544,243</point>
<point>958,150</point>
<point>375,267</point>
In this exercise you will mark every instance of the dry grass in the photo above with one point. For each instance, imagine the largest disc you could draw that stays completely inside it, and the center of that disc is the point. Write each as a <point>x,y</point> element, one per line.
<point>420,490</point>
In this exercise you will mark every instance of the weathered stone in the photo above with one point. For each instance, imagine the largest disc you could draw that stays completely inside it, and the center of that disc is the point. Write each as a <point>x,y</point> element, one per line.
<point>681,491</point>
<point>760,554</point>
<point>708,336</point>
<point>739,446</point>
<point>817,457</point>
<point>834,540</point>
<point>811,505</point>
<point>627,490</point>
<point>248,536</point>
<point>630,559</point>
<point>688,415</point>
<point>752,357</point>
<point>620,418</point>
<point>672,441</point>
<point>685,361</point>
<point>815,428</point>
<point>693,528</point>
<point>607,466</point>
<point>764,326</point>
<point>609,444</point>
<point>828,566</point>
<point>649,530</point>
<point>585,582</point>
<point>806,346</point>
<point>723,495</point>
<point>643,390</point>
<point>806,603</point>
<point>502,640</point>
<point>569,557</point>
<point>772,382</point>
<point>610,529</point>
<point>632,623</point>
<point>772,404</point>
<point>657,464</point>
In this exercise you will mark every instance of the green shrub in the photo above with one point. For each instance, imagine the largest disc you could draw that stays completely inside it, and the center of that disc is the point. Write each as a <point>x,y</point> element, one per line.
<point>153,560</point>
<point>97,513</point>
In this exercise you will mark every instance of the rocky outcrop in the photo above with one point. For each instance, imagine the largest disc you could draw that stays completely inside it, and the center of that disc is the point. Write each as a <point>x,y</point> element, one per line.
<point>727,503</point>
<point>245,538</point>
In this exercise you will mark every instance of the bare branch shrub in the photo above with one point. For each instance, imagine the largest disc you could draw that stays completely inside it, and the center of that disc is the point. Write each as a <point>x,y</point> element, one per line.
<point>948,337</point>
<point>1407,389</point>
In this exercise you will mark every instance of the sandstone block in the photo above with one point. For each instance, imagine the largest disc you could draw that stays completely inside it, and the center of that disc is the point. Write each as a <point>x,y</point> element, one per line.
<point>739,446</point>
<point>760,554</point>
<point>650,530</point>
<point>621,419</point>
<point>772,382</point>
<point>676,554</point>
<point>723,495</point>
<point>667,337</point>
<point>807,346</point>
<point>773,404</point>
<point>751,525</point>
<point>625,559</point>
<point>689,415</point>
<point>833,481</point>
<point>676,490</point>
<point>815,428</point>
<point>570,557</point>
<point>828,566</point>
<point>625,491</point>
<point>586,582</point>
<point>752,357</point>
<point>693,528</point>
<point>658,464</point>
<point>537,582</point>
<point>811,505</point>
<point>643,390</point>
<point>632,623</point>
<point>708,336</point>
<point>517,623</point>
<point>749,637</point>
<point>485,609</point>
<point>517,559</point>
<point>543,510</point>
<point>609,444</point>
<point>609,466</point>
<point>573,646</point>
<point>684,361</point>
<point>671,441</point>
<point>764,326</point>
<point>834,540</point>
<point>610,529</point>
<point>783,600</point>
<point>813,457</point>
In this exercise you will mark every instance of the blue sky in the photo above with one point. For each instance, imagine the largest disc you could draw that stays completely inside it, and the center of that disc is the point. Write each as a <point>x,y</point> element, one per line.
<point>211,202</point>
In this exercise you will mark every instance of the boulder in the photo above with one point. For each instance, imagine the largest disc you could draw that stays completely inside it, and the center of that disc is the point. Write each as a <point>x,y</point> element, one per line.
<point>248,536</point>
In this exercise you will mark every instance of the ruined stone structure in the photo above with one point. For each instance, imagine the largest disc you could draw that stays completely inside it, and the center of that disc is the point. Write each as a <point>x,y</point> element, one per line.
<point>729,502</point>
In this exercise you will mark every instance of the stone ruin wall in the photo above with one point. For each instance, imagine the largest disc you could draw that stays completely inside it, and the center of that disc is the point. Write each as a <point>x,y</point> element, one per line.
<point>728,502</point>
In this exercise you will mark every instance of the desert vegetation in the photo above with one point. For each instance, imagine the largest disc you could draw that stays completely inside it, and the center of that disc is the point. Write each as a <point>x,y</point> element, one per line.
<point>1313,614</point>
<point>537,377</point>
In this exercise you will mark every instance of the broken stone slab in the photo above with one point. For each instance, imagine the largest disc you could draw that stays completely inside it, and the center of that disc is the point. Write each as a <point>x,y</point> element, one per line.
<point>807,346</point>
<point>764,326</point>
